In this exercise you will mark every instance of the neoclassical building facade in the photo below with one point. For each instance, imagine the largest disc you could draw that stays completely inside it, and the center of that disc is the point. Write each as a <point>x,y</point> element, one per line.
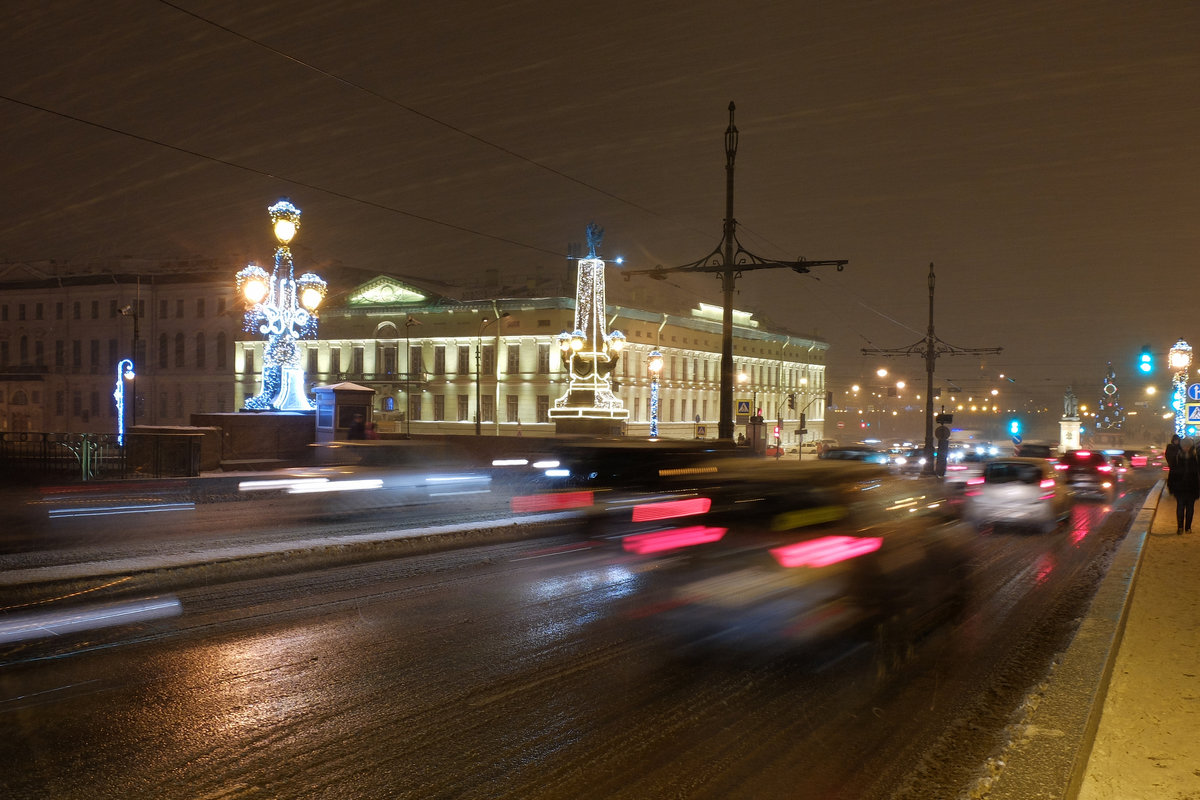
<point>435,362</point>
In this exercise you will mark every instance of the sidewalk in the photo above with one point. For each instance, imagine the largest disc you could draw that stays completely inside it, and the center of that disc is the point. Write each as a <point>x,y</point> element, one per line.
<point>1148,742</point>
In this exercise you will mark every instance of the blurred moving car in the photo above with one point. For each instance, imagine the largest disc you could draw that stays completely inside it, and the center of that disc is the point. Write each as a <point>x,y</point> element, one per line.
<point>1090,473</point>
<point>1034,450</point>
<point>1025,492</point>
<point>968,466</point>
<point>855,453</point>
<point>1136,458</point>
<point>800,553</point>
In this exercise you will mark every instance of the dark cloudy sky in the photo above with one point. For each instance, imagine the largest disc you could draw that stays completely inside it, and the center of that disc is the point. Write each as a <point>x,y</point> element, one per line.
<point>1044,155</point>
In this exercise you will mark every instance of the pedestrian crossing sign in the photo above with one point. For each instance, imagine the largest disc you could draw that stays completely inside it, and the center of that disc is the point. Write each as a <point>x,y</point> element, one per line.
<point>1193,413</point>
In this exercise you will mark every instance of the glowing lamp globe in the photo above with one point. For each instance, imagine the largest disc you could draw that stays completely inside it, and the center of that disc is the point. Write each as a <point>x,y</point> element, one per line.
<point>129,374</point>
<point>255,290</point>
<point>285,230</point>
<point>577,341</point>
<point>310,298</point>
<point>656,362</point>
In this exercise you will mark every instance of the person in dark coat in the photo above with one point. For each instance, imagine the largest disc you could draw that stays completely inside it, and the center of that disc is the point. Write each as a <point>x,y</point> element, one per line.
<point>357,429</point>
<point>1183,481</point>
<point>1172,451</point>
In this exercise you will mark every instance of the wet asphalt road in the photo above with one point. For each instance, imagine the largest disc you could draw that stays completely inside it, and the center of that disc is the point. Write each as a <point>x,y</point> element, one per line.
<point>524,671</point>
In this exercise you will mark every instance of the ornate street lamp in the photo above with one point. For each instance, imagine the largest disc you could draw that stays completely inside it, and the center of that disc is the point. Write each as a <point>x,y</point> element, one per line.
<point>1180,360</point>
<point>124,373</point>
<point>655,365</point>
<point>283,308</point>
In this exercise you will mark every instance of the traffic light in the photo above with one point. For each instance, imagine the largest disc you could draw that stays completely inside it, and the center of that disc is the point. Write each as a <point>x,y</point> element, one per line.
<point>792,401</point>
<point>1014,427</point>
<point>1146,361</point>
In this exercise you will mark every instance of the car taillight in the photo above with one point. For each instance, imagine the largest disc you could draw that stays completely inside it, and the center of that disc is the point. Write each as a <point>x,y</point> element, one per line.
<point>1061,467</point>
<point>1048,483</point>
<point>825,551</point>
<point>551,501</point>
<point>975,481</point>
<point>1105,468</point>
<point>657,542</point>
<point>671,509</point>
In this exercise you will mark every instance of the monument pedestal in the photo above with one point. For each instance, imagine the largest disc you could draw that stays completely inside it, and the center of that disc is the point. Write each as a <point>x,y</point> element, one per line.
<point>1068,434</point>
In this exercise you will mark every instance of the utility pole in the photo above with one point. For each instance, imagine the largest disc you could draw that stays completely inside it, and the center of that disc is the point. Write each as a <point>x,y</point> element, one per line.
<point>930,348</point>
<point>728,261</point>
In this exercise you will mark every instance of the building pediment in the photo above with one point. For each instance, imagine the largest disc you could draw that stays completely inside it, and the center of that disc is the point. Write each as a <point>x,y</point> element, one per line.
<point>387,291</point>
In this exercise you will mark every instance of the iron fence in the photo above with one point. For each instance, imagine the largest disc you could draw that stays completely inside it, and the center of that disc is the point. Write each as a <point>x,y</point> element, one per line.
<point>33,457</point>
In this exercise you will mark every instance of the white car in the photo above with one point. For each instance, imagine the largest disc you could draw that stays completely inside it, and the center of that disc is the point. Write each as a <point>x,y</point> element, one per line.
<point>1021,492</point>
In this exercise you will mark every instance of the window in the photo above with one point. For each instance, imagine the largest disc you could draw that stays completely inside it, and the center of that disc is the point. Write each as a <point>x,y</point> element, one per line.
<point>94,403</point>
<point>512,408</point>
<point>439,407</point>
<point>312,361</point>
<point>163,355</point>
<point>76,403</point>
<point>38,311</point>
<point>75,310</point>
<point>199,308</point>
<point>414,406</point>
<point>60,353</point>
<point>543,366</point>
<point>3,354</point>
<point>335,360</point>
<point>356,359</point>
<point>112,351</point>
<point>112,308</point>
<point>76,354</point>
<point>95,309</point>
<point>94,352</point>
<point>671,414</point>
<point>39,355</point>
<point>20,312</point>
<point>488,407</point>
<point>489,360</point>
<point>162,309</point>
<point>416,361</point>
<point>514,359</point>
<point>179,309</point>
<point>220,306</point>
<point>200,350</point>
<point>23,349</point>
<point>249,359</point>
<point>58,314</point>
<point>179,345</point>
<point>543,408</point>
<point>439,361</point>
<point>464,408</point>
<point>464,359</point>
<point>221,350</point>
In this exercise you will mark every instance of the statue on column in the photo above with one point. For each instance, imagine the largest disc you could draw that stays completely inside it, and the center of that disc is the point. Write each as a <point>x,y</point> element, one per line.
<point>1070,405</point>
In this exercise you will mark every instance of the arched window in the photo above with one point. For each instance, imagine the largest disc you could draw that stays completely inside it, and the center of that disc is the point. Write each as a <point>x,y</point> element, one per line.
<point>163,352</point>
<point>200,350</point>
<point>179,350</point>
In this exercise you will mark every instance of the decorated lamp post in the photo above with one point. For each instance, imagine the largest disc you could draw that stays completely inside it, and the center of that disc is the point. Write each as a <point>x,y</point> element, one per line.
<point>1180,360</point>
<point>590,353</point>
<point>655,365</point>
<point>124,373</point>
<point>284,309</point>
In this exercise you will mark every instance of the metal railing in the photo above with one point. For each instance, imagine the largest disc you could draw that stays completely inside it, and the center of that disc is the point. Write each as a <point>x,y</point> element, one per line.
<point>34,457</point>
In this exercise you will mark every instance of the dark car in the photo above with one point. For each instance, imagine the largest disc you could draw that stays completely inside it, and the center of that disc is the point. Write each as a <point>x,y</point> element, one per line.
<point>798,554</point>
<point>1090,473</point>
<point>867,454</point>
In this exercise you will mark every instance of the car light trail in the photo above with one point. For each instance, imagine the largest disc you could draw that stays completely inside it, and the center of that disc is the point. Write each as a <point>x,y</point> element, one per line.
<point>107,511</point>
<point>554,501</point>
<point>38,624</point>
<point>671,509</point>
<point>657,542</point>
<point>337,486</point>
<point>826,550</point>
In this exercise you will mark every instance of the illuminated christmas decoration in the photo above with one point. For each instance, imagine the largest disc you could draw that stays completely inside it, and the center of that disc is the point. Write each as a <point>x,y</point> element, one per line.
<point>1111,416</point>
<point>124,373</point>
<point>655,365</point>
<point>284,309</point>
<point>590,352</point>
<point>1179,358</point>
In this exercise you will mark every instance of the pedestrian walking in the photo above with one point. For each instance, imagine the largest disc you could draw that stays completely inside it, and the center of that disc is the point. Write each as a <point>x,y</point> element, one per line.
<point>1183,481</point>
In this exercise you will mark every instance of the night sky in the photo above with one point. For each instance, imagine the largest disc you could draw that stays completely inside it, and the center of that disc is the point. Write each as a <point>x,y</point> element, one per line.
<point>1044,156</point>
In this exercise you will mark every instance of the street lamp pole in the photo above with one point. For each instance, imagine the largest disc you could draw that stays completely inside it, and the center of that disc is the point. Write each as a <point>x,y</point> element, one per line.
<point>655,366</point>
<point>1180,360</point>
<point>124,373</point>
<point>408,323</point>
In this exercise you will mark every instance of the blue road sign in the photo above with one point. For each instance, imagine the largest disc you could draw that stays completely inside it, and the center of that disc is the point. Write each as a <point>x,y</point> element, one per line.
<point>1193,392</point>
<point>743,406</point>
<point>1193,414</point>
<point>1016,439</point>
